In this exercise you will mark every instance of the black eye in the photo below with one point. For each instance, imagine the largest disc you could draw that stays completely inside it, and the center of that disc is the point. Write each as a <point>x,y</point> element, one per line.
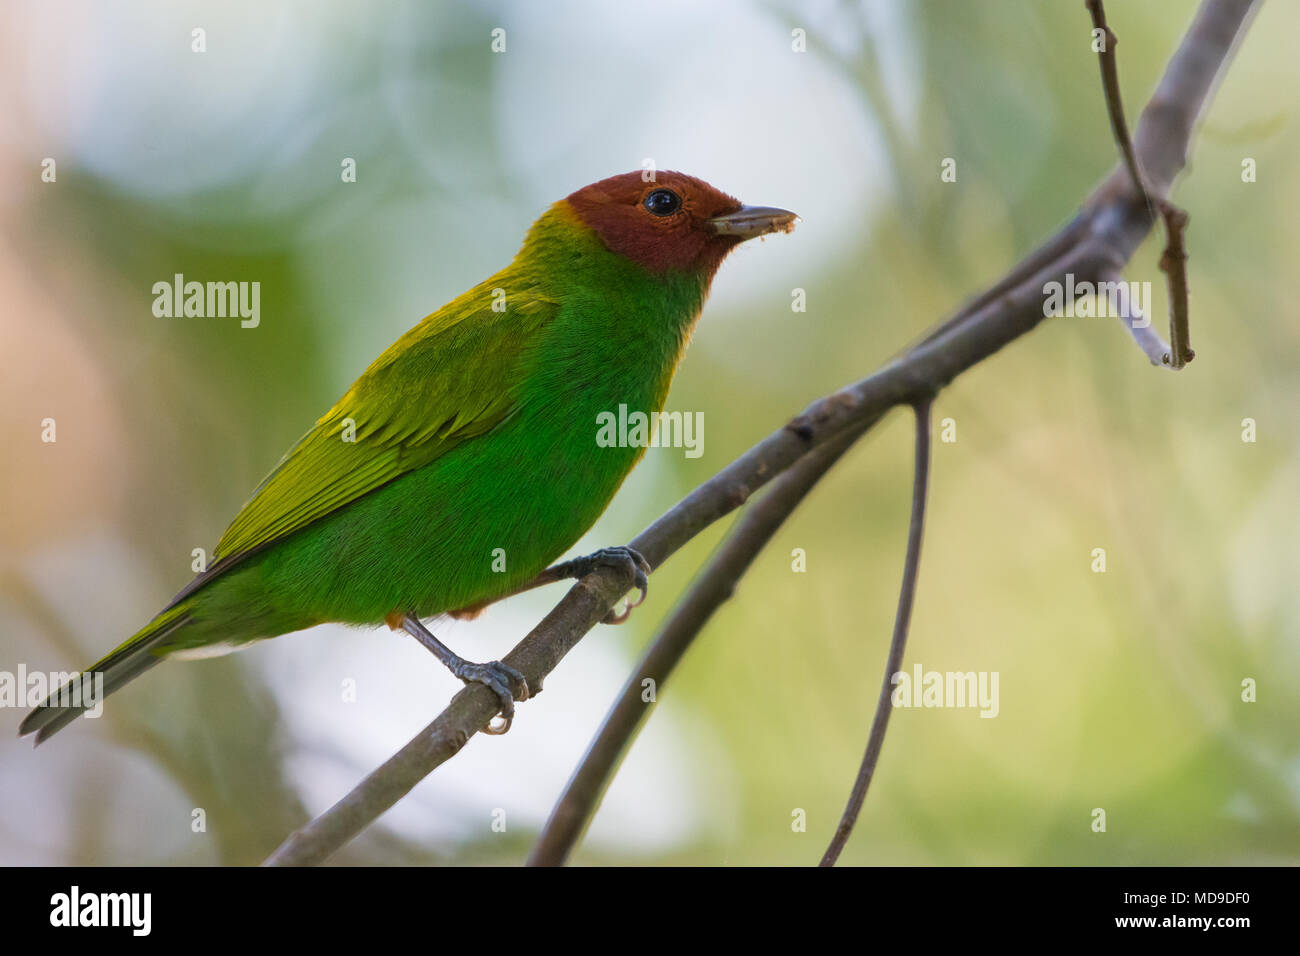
<point>663,202</point>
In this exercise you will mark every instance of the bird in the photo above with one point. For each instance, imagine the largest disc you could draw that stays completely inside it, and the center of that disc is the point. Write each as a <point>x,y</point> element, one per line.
<point>464,460</point>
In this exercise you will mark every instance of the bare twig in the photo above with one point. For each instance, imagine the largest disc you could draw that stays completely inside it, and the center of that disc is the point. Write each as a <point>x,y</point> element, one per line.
<point>1115,220</point>
<point>1173,263</point>
<point>897,644</point>
<point>709,591</point>
<point>1174,260</point>
<point>1114,100</point>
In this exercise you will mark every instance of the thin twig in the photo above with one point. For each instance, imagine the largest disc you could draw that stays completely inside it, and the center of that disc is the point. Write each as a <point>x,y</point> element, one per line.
<point>1114,100</point>
<point>711,588</point>
<point>1173,262</point>
<point>897,644</point>
<point>1116,222</point>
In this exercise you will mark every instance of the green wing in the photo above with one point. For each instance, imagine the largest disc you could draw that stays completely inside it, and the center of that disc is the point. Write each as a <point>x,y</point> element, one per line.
<point>451,378</point>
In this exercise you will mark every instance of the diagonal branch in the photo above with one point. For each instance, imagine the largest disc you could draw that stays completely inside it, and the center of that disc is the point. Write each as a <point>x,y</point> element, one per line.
<point>711,589</point>
<point>1113,223</point>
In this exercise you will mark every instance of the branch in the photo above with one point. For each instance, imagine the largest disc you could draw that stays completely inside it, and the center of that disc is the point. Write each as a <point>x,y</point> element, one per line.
<point>1114,222</point>
<point>1173,263</point>
<point>711,589</point>
<point>581,796</point>
<point>1114,101</point>
<point>753,530</point>
<point>1174,260</point>
<point>897,644</point>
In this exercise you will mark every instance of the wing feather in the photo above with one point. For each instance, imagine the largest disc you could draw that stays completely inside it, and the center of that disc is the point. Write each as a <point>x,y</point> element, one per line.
<point>451,378</point>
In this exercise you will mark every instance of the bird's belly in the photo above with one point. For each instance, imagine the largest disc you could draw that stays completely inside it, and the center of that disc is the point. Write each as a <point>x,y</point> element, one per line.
<point>469,527</point>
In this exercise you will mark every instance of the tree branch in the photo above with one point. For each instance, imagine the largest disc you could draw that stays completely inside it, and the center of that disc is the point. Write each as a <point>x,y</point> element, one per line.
<point>897,644</point>
<point>753,530</point>
<point>1173,262</point>
<point>1114,101</point>
<point>1112,224</point>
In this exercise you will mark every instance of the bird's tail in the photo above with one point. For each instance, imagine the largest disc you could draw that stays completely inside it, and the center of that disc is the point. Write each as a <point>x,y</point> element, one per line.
<point>122,665</point>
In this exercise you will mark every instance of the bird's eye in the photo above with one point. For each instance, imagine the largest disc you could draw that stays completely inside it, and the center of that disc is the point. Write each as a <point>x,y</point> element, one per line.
<point>663,202</point>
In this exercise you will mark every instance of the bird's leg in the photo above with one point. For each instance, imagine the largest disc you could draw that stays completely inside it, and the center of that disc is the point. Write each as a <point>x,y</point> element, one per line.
<point>625,558</point>
<point>500,678</point>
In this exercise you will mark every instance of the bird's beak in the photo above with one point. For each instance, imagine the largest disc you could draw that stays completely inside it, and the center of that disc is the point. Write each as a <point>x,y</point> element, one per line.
<point>750,221</point>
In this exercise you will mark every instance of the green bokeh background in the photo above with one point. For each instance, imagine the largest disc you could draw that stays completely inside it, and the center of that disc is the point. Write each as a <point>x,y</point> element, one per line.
<point>1119,691</point>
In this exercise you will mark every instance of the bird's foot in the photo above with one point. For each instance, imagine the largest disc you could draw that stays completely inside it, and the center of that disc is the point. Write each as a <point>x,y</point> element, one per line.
<point>501,679</point>
<point>626,559</point>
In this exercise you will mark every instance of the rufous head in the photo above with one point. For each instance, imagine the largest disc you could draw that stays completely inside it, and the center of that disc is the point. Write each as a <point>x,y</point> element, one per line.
<point>673,222</point>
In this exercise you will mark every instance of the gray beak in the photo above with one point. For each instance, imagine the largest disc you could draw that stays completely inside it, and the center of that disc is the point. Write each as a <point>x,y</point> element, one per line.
<point>750,221</point>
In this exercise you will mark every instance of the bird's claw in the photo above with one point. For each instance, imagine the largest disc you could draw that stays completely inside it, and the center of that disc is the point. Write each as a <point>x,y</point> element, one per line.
<point>628,560</point>
<point>615,616</point>
<point>501,679</point>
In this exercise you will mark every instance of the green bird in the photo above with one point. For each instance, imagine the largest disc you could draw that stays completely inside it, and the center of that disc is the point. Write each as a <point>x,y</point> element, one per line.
<point>475,431</point>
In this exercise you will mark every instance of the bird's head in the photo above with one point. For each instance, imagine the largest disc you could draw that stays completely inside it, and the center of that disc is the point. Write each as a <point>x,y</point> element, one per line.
<point>672,222</point>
